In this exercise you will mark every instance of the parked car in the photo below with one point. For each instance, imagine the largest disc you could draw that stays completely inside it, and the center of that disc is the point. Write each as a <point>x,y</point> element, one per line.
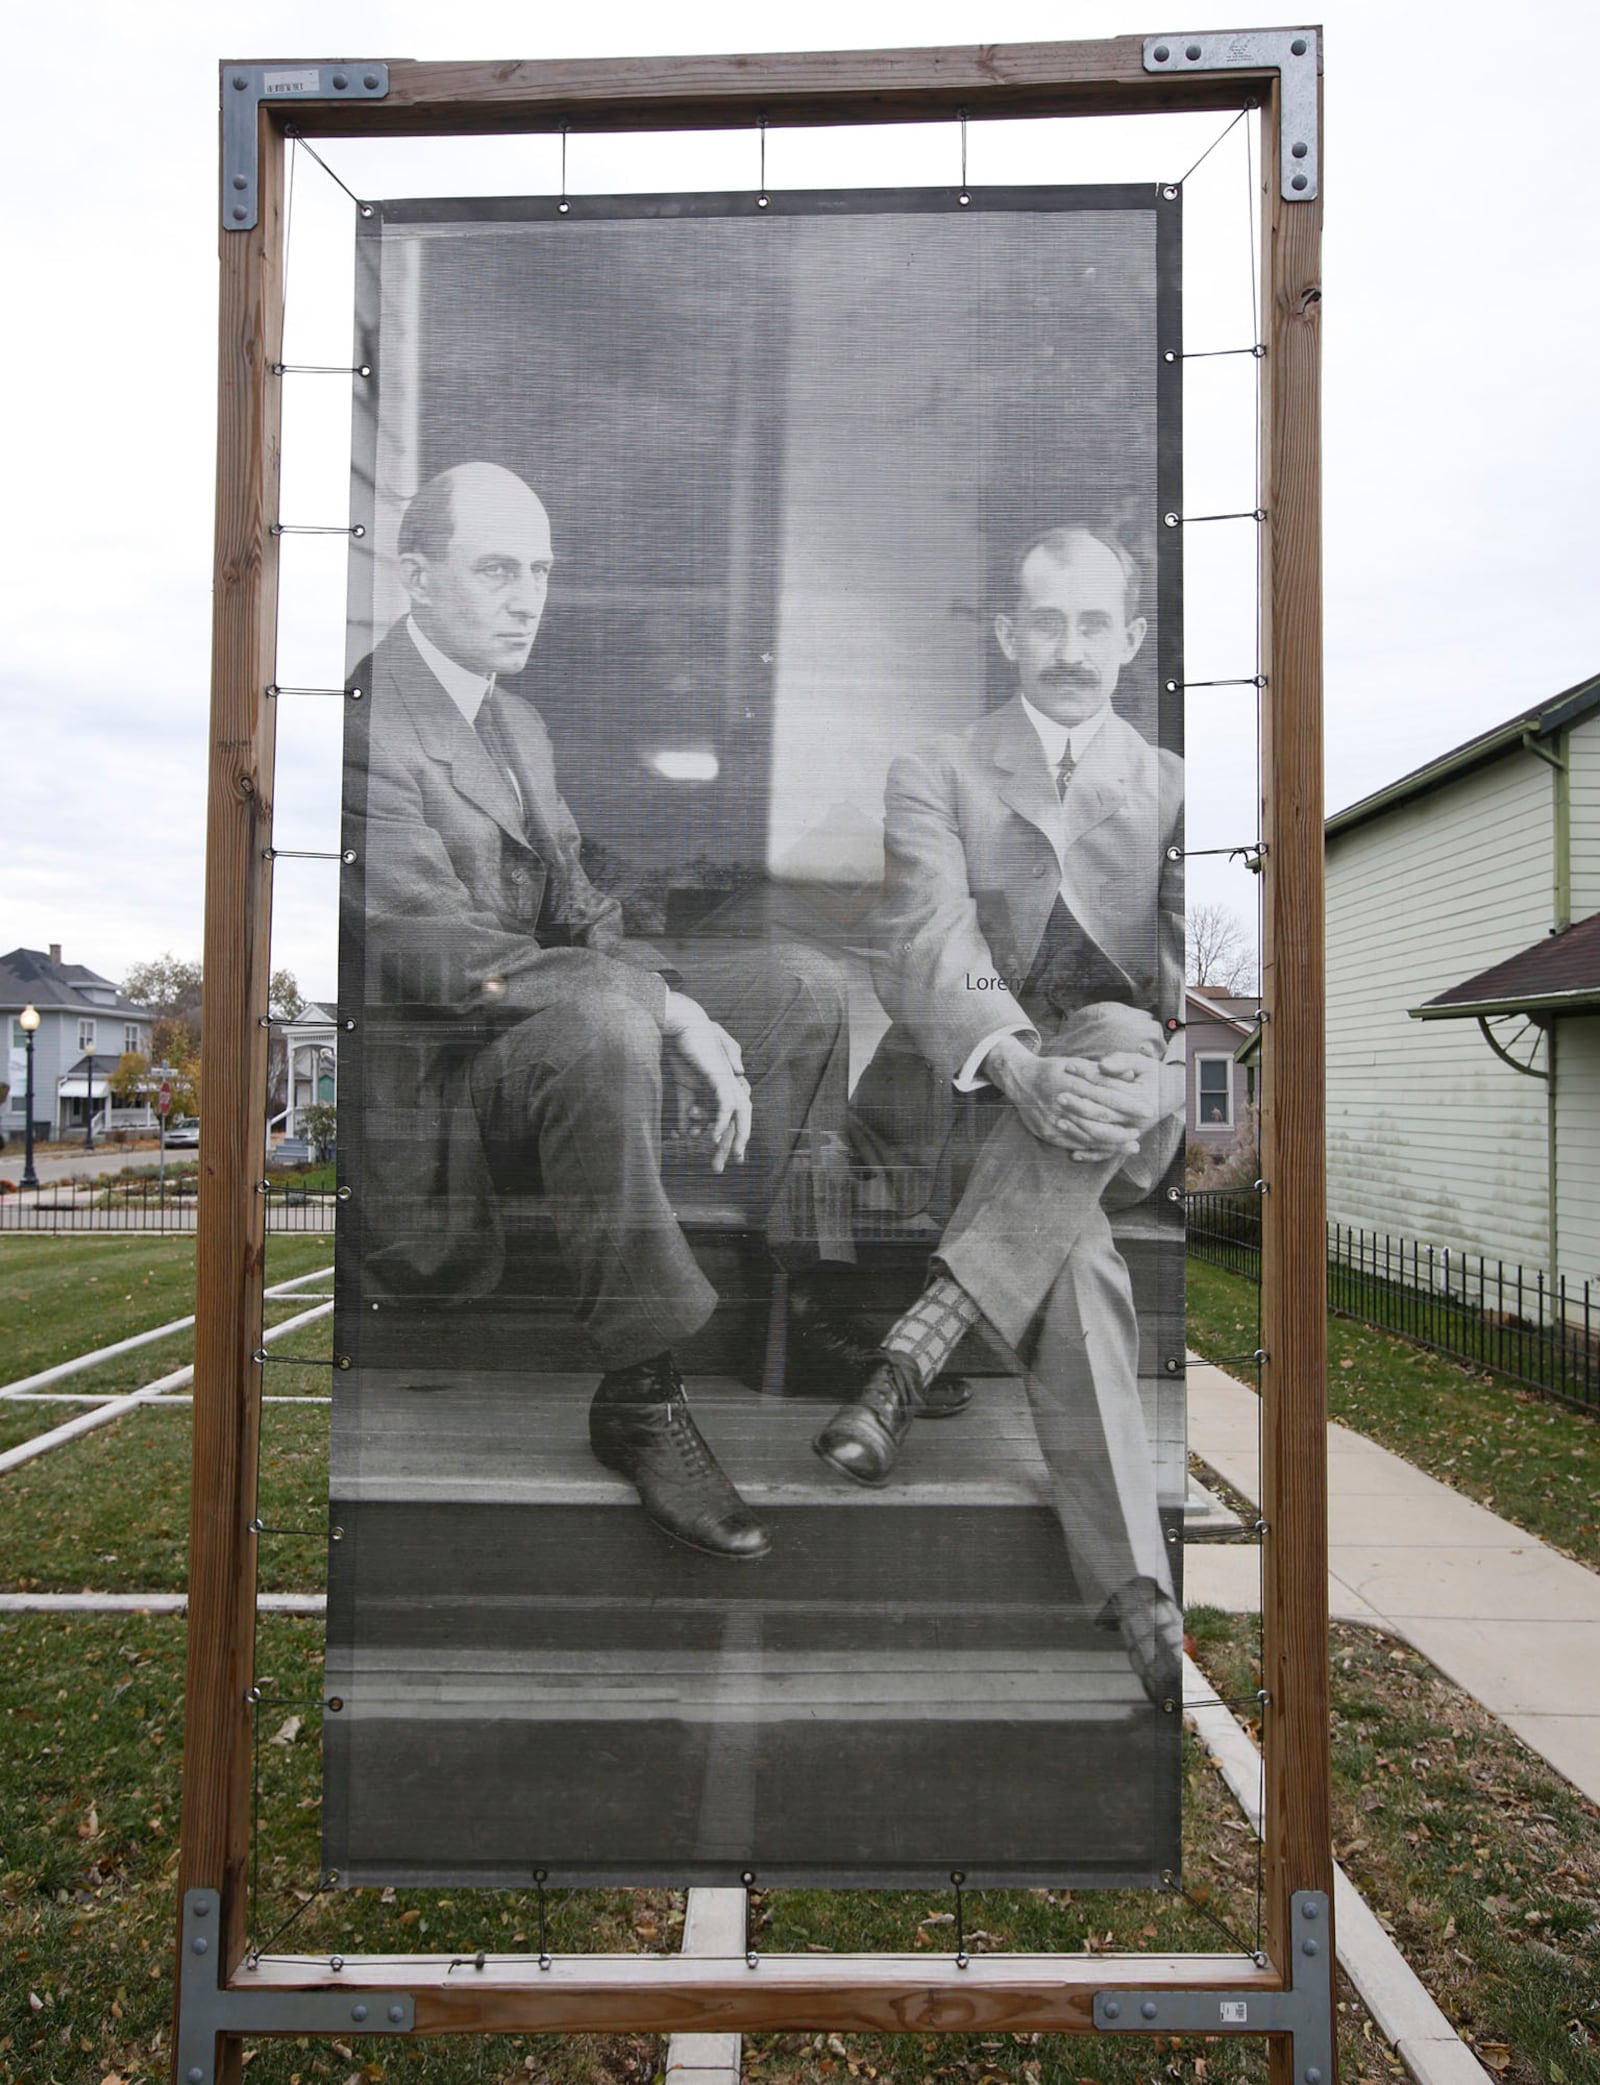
<point>183,1131</point>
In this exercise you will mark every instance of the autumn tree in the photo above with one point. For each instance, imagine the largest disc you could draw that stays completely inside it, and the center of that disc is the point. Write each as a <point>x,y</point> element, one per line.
<point>1221,950</point>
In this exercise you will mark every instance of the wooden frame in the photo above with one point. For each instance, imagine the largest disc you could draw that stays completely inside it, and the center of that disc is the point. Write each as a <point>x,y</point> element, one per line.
<point>867,1993</point>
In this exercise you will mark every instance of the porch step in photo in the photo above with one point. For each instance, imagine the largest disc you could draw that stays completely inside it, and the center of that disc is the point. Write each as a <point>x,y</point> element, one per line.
<point>532,1675</point>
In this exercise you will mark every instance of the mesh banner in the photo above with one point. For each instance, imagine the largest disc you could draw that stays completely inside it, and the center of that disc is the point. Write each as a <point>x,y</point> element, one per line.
<point>758,1445</point>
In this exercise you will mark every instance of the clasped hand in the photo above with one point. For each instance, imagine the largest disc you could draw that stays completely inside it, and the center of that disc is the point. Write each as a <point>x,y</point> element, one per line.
<point>713,1093</point>
<point>1092,1108</point>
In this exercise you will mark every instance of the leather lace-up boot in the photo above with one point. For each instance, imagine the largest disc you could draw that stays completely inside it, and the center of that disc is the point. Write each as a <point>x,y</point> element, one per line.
<point>640,1426</point>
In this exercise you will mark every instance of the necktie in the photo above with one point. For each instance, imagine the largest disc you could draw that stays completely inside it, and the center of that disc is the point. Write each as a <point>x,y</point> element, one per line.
<point>1064,768</point>
<point>489,724</point>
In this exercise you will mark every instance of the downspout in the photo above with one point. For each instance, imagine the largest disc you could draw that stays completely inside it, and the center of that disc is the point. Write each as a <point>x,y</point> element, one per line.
<point>1554,752</point>
<point>1552,1181</point>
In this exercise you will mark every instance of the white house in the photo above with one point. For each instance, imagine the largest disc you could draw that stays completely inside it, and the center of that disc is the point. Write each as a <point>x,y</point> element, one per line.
<point>85,1027</point>
<point>1463,985</point>
<point>311,1052</point>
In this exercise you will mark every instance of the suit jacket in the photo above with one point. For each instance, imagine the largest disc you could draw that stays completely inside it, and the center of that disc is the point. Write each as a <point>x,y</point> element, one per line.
<point>467,913</point>
<point>978,847</point>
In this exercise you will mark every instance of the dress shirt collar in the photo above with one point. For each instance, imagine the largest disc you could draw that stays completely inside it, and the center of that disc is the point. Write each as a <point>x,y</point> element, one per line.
<point>467,690</point>
<point>1057,738</point>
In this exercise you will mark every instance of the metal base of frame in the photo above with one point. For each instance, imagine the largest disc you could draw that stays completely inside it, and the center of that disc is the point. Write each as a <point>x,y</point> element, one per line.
<point>1304,2012</point>
<point>207,2007</point>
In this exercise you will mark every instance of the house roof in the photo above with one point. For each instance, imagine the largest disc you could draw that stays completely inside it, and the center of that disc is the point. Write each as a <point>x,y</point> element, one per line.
<point>29,977</point>
<point>1542,721</point>
<point>1231,1010</point>
<point>1560,974</point>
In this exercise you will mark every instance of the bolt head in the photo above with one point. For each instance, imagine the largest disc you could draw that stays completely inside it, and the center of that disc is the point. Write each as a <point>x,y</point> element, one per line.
<point>1313,2074</point>
<point>369,80</point>
<point>396,2014</point>
<point>195,2075</point>
<point>203,1908</point>
<point>1149,2009</point>
<point>1299,48</point>
<point>240,213</point>
<point>358,2012</point>
<point>1309,1909</point>
<point>1113,2010</point>
<point>1191,52</point>
<point>1299,150</point>
<point>1299,183</point>
<point>1310,1947</point>
<point>341,80</point>
<point>240,81</point>
<point>199,1945</point>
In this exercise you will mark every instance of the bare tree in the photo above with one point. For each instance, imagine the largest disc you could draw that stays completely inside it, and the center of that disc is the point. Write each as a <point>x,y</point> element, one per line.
<point>1222,951</point>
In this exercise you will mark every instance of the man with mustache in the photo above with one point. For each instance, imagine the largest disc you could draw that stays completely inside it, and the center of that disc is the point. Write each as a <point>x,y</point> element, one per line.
<point>515,1042</point>
<point>1027,867</point>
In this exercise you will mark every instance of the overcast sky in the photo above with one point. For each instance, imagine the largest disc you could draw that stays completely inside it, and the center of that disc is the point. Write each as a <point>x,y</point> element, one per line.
<point>1460,400</point>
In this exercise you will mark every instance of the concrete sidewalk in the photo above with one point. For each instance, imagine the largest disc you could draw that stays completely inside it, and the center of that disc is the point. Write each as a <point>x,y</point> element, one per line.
<point>1496,1610</point>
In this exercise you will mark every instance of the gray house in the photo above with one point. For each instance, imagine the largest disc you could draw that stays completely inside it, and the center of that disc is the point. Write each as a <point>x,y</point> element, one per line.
<point>1222,1088</point>
<point>1463,985</point>
<point>85,1028</point>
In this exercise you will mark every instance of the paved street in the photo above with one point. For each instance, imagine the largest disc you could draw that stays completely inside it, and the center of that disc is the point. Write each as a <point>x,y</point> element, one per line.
<point>76,1164</point>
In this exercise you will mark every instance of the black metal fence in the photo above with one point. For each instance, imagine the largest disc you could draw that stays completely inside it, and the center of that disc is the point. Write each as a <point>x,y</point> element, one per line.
<point>1497,1315</point>
<point>149,1205</point>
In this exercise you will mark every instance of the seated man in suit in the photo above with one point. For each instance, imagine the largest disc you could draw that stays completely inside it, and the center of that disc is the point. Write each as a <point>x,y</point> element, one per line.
<point>1027,871</point>
<point>519,1041</point>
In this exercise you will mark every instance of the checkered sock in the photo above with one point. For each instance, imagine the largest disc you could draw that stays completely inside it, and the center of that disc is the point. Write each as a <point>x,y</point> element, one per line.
<point>931,1329</point>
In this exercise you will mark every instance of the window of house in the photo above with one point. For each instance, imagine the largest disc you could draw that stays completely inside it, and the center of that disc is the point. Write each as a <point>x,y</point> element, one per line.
<point>86,1035</point>
<point>19,1036</point>
<point>1216,1092</point>
<point>1250,1085</point>
<point>130,1037</point>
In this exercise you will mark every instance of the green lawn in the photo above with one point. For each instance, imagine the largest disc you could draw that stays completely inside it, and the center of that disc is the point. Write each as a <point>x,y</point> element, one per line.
<point>65,1296</point>
<point>1537,1464</point>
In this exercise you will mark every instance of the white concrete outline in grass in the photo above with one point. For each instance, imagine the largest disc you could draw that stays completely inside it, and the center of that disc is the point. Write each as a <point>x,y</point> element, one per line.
<point>24,1384</point>
<point>101,1415</point>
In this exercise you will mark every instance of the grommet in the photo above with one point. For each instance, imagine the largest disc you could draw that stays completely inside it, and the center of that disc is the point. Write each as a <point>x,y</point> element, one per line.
<point>343,1194</point>
<point>366,209</point>
<point>1170,355</point>
<point>336,1962</point>
<point>1171,687</point>
<point>763,202</point>
<point>963,199</point>
<point>563,206</point>
<point>335,1703</point>
<point>336,1534</point>
<point>1169,193</point>
<point>1169,520</point>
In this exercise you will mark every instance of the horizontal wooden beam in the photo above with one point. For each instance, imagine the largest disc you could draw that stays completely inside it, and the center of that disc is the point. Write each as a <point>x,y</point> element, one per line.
<point>663,1994</point>
<point>788,88</point>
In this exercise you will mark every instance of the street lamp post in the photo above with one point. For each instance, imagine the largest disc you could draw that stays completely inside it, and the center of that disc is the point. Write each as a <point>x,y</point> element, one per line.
<point>88,1125</point>
<point>30,1021</point>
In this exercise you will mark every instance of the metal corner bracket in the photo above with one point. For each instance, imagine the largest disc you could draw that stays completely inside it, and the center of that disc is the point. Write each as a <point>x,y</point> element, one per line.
<point>245,87</point>
<point>1297,59</point>
<point>208,2006</point>
<point>1304,2012</point>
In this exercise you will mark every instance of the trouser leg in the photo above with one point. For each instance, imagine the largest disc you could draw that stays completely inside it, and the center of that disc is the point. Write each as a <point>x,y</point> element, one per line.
<point>1031,1245</point>
<point>1083,1385</point>
<point>569,1104</point>
<point>787,1008</point>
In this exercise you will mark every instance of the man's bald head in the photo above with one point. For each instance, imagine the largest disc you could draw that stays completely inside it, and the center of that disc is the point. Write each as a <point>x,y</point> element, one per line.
<point>475,556</point>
